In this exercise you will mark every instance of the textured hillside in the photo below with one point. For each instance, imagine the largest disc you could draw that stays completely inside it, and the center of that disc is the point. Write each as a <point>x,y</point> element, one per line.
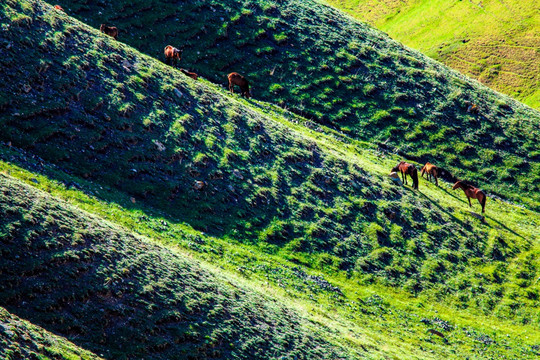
<point>493,41</point>
<point>301,209</point>
<point>123,297</point>
<point>312,59</point>
<point>355,316</point>
<point>102,112</point>
<point>21,340</point>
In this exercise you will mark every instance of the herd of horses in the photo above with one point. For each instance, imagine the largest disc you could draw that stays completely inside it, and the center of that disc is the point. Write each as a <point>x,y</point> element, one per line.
<point>433,172</point>
<point>174,55</point>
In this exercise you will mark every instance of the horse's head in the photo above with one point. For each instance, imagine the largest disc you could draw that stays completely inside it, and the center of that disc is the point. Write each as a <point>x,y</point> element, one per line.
<point>245,89</point>
<point>457,185</point>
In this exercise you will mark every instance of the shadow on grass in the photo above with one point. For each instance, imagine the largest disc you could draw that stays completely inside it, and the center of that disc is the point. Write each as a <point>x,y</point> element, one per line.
<point>485,216</point>
<point>505,227</point>
<point>444,210</point>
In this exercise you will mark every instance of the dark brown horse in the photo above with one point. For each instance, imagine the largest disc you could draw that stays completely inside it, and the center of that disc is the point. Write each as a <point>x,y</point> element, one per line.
<point>472,192</point>
<point>407,169</point>
<point>431,171</point>
<point>190,74</point>
<point>172,55</point>
<point>237,79</point>
<point>109,30</point>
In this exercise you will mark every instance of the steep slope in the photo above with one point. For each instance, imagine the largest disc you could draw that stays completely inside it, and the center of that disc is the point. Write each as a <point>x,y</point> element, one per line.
<point>352,311</point>
<point>311,58</point>
<point>288,205</point>
<point>101,111</point>
<point>21,340</point>
<point>493,41</point>
<point>121,296</point>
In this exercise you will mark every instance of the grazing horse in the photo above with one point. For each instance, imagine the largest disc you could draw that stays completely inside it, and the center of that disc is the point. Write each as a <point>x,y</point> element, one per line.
<point>431,171</point>
<point>109,30</point>
<point>190,74</point>
<point>472,192</point>
<point>407,169</point>
<point>237,79</point>
<point>172,55</point>
<point>58,7</point>
<point>473,109</point>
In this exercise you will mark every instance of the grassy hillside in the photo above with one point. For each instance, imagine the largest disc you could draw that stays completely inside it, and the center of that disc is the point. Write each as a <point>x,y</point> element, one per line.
<point>310,58</point>
<point>300,208</point>
<point>347,308</point>
<point>496,42</point>
<point>153,133</point>
<point>21,340</point>
<point>123,297</point>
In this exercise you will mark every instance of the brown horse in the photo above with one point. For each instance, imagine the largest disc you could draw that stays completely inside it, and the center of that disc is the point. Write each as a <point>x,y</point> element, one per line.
<point>190,74</point>
<point>431,171</point>
<point>58,7</point>
<point>472,192</point>
<point>473,109</point>
<point>172,55</point>
<point>407,169</point>
<point>237,79</point>
<point>109,30</point>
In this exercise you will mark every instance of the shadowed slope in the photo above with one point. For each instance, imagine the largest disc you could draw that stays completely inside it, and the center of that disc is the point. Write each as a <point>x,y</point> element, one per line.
<point>19,339</point>
<point>121,296</point>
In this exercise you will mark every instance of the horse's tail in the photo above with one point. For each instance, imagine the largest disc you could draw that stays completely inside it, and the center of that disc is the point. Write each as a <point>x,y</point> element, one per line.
<point>414,176</point>
<point>423,171</point>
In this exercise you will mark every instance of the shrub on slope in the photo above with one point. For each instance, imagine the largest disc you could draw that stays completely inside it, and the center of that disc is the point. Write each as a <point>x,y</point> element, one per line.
<point>120,296</point>
<point>19,339</point>
<point>313,59</point>
<point>102,111</point>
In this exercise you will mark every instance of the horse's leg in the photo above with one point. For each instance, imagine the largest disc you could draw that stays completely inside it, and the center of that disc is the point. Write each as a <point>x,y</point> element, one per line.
<point>468,198</point>
<point>482,203</point>
<point>231,88</point>
<point>436,180</point>
<point>167,60</point>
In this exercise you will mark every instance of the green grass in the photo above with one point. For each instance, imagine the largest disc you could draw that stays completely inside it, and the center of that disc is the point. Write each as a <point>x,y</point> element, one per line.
<point>341,73</point>
<point>290,208</point>
<point>19,339</point>
<point>495,42</point>
<point>266,185</point>
<point>360,309</point>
